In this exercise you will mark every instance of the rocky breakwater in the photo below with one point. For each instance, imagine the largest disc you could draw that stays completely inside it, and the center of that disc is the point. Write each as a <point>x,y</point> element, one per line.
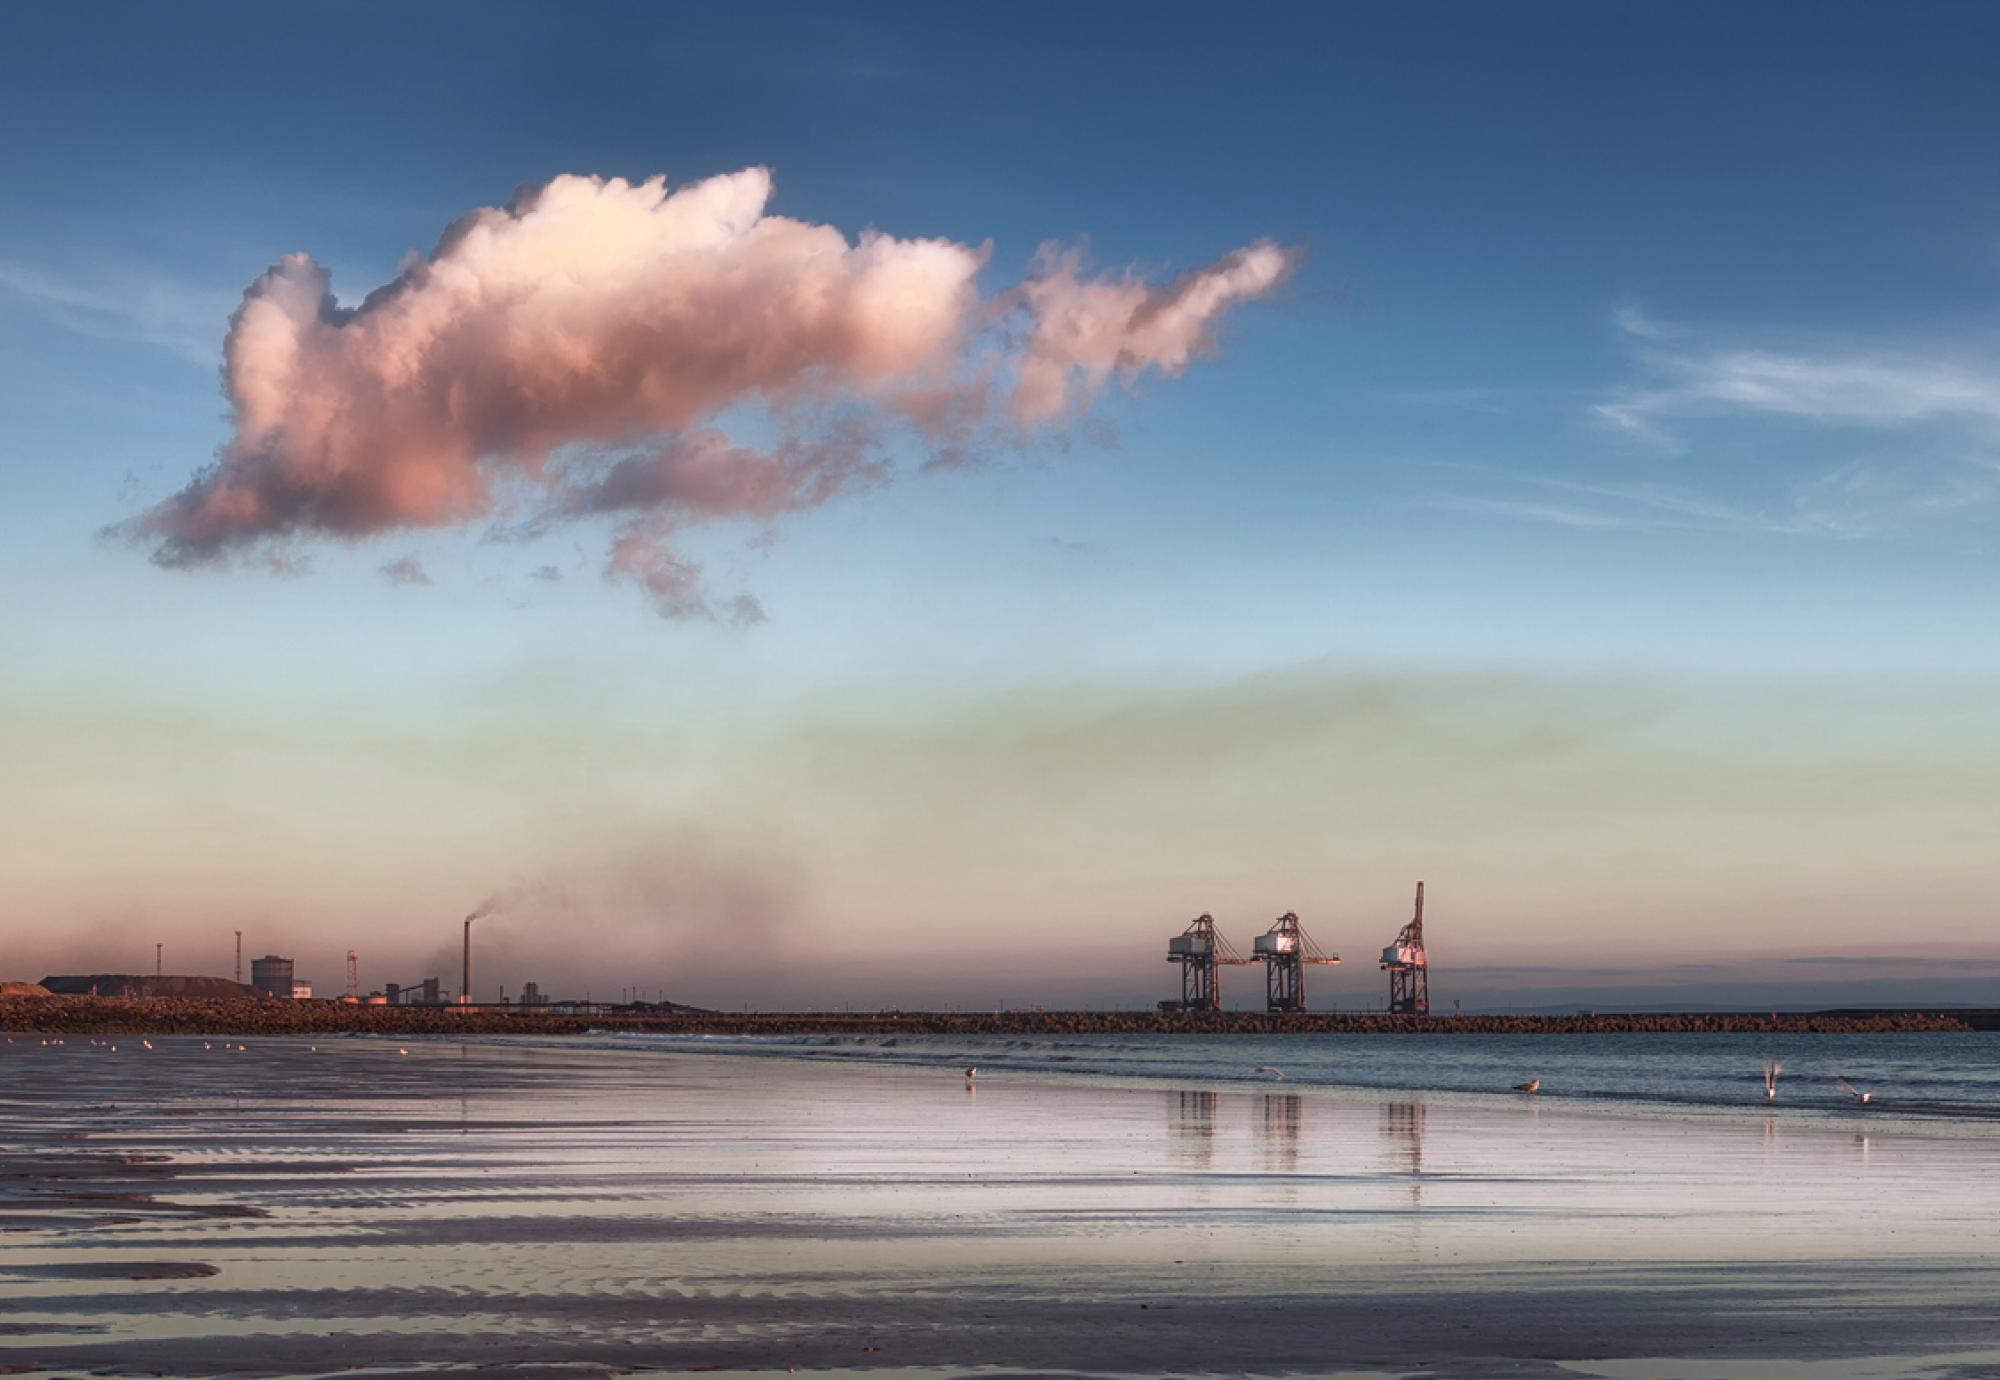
<point>53,1015</point>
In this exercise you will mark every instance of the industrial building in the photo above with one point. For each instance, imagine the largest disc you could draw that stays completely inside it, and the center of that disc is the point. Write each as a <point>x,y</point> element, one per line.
<point>134,985</point>
<point>428,992</point>
<point>272,975</point>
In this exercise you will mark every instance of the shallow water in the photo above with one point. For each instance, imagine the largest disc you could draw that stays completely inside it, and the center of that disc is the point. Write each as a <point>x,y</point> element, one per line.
<point>1927,1075</point>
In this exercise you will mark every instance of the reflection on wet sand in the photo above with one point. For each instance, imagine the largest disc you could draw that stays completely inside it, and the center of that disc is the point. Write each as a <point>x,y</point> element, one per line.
<point>1403,1131</point>
<point>1191,1126</point>
<point>1282,1114</point>
<point>1194,1114</point>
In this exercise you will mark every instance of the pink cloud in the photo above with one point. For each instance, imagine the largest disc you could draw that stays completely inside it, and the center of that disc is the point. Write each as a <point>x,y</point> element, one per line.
<point>1087,331</point>
<point>596,316</point>
<point>406,570</point>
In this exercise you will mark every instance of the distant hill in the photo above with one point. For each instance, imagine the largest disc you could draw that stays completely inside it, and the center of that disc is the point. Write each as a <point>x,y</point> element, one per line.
<point>23,989</point>
<point>132,985</point>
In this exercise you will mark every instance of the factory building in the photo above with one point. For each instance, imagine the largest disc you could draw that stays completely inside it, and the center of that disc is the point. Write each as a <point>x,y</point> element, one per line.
<point>272,975</point>
<point>429,992</point>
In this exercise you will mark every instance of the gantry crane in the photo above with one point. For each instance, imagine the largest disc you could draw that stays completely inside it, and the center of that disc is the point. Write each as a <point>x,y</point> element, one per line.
<point>1284,950</point>
<point>1408,967</point>
<point>1200,951</point>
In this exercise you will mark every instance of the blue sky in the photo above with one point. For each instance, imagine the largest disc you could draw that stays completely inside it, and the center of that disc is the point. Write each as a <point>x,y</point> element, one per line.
<point>1635,346</point>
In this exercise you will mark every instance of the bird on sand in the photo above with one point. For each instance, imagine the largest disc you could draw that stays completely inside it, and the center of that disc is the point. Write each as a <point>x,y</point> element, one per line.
<point>1271,1069</point>
<point>1860,1098</point>
<point>402,1051</point>
<point>1772,1068</point>
<point>972,1073</point>
<point>1533,1085</point>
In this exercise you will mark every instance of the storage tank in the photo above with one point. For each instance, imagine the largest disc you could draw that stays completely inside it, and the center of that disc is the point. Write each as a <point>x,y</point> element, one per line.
<point>272,976</point>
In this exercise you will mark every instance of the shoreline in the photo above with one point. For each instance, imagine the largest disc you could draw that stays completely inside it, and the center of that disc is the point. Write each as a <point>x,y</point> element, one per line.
<point>67,1015</point>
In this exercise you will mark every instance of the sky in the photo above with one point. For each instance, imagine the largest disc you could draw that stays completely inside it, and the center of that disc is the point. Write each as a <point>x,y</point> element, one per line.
<point>899,505</point>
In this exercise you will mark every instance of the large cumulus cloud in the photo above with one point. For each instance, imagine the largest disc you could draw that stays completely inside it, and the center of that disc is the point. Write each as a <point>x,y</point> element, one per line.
<point>582,345</point>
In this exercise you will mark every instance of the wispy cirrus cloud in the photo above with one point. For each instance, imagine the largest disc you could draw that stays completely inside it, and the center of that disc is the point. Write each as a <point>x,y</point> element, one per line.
<point>117,304</point>
<point>1529,510</point>
<point>1693,377</point>
<point>1893,439</point>
<point>1849,501</point>
<point>1633,321</point>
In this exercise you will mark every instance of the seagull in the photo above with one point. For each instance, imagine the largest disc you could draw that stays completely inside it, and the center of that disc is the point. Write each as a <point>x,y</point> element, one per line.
<point>972,1073</point>
<point>1271,1069</point>
<point>1533,1085</point>
<point>147,1043</point>
<point>1772,1068</point>
<point>1861,1098</point>
<point>402,1051</point>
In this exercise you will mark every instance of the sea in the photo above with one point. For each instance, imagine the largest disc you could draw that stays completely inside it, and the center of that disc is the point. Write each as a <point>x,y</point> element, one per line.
<point>1930,1075</point>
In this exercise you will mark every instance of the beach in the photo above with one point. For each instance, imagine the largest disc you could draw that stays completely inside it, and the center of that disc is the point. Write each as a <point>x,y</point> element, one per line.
<point>548,1207</point>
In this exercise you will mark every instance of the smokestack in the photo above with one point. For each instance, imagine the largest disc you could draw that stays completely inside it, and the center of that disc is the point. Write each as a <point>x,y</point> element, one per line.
<point>465,977</point>
<point>156,960</point>
<point>239,958</point>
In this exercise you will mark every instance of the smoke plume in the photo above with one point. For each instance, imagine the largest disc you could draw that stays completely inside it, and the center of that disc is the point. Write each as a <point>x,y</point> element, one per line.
<point>573,352</point>
<point>663,910</point>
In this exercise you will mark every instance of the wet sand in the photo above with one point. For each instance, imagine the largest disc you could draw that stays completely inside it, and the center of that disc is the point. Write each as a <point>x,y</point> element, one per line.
<point>543,1208</point>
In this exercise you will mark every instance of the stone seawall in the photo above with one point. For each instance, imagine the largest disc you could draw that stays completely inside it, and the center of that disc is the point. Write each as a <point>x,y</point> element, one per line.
<point>57,1015</point>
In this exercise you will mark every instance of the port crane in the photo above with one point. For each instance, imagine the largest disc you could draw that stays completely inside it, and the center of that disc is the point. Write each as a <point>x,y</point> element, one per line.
<point>1408,967</point>
<point>1285,949</point>
<point>1200,951</point>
